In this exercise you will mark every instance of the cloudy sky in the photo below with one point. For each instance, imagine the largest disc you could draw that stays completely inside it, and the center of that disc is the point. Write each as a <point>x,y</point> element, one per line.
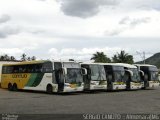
<point>63,29</point>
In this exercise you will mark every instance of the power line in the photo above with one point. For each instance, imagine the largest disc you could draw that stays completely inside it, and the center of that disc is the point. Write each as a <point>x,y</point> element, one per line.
<point>142,55</point>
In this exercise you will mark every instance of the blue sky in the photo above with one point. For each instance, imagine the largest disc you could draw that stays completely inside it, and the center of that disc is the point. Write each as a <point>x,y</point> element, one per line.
<point>64,29</point>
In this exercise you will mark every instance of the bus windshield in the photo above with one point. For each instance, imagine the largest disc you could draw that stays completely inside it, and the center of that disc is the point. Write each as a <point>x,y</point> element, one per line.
<point>135,77</point>
<point>74,75</point>
<point>154,75</point>
<point>118,73</point>
<point>97,72</point>
<point>118,76</point>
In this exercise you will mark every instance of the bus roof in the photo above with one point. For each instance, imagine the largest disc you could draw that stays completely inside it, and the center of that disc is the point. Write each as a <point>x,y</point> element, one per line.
<point>126,65</point>
<point>89,63</point>
<point>7,62</point>
<point>112,64</point>
<point>147,65</point>
<point>26,62</point>
<point>36,62</point>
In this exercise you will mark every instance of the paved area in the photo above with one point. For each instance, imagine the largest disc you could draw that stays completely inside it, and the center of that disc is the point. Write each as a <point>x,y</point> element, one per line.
<point>28,102</point>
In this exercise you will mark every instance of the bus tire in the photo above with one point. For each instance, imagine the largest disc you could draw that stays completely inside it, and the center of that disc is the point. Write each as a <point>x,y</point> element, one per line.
<point>49,89</point>
<point>110,87</point>
<point>15,87</point>
<point>143,88</point>
<point>10,88</point>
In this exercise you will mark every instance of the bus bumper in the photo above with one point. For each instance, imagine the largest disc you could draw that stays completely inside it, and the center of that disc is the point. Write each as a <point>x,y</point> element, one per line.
<point>135,86</point>
<point>98,87</point>
<point>76,89</point>
<point>119,87</point>
<point>153,84</point>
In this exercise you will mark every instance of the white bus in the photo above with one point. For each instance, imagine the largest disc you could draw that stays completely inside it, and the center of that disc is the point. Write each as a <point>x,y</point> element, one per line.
<point>95,78</point>
<point>49,76</point>
<point>115,75</point>
<point>131,77</point>
<point>150,77</point>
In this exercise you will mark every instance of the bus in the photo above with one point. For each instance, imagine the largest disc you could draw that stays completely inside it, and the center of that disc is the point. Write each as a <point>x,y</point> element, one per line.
<point>49,76</point>
<point>95,78</point>
<point>150,77</point>
<point>131,77</point>
<point>115,75</point>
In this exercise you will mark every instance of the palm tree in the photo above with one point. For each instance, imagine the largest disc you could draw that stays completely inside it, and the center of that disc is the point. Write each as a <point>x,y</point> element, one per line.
<point>23,57</point>
<point>100,57</point>
<point>123,57</point>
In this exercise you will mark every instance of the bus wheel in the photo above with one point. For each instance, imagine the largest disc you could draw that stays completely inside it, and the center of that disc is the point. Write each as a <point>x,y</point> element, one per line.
<point>10,88</point>
<point>143,88</point>
<point>14,87</point>
<point>49,89</point>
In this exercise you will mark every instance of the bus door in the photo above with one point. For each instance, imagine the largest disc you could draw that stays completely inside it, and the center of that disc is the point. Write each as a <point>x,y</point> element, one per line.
<point>109,76</point>
<point>59,76</point>
<point>127,78</point>
<point>87,78</point>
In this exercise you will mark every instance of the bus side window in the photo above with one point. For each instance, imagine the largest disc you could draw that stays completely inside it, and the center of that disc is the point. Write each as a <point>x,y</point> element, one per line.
<point>15,69</point>
<point>38,68</point>
<point>22,68</point>
<point>47,67</point>
<point>7,69</point>
<point>29,68</point>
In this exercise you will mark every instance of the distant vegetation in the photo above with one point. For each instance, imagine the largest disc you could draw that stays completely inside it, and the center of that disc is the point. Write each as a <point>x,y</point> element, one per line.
<point>24,57</point>
<point>121,57</point>
<point>153,60</point>
<point>100,57</point>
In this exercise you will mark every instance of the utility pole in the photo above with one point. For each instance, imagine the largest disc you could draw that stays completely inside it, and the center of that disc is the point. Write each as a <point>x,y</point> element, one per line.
<point>142,55</point>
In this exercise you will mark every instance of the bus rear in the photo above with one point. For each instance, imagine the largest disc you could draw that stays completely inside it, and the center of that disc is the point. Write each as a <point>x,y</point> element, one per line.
<point>1,64</point>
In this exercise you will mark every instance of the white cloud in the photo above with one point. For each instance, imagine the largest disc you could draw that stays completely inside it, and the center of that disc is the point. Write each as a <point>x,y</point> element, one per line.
<point>36,26</point>
<point>80,54</point>
<point>4,18</point>
<point>11,51</point>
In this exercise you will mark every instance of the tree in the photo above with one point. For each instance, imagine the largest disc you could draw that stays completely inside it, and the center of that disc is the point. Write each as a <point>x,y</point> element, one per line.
<point>2,58</point>
<point>29,59</point>
<point>123,57</point>
<point>23,57</point>
<point>33,58</point>
<point>12,58</point>
<point>6,57</point>
<point>100,57</point>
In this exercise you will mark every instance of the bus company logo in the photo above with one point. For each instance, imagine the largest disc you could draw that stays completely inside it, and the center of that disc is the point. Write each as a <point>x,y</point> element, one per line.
<point>19,76</point>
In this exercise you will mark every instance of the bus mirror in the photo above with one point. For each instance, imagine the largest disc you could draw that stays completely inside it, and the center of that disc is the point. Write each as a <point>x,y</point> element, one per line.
<point>65,71</point>
<point>130,72</point>
<point>84,71</point>
<point>142,73</point>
